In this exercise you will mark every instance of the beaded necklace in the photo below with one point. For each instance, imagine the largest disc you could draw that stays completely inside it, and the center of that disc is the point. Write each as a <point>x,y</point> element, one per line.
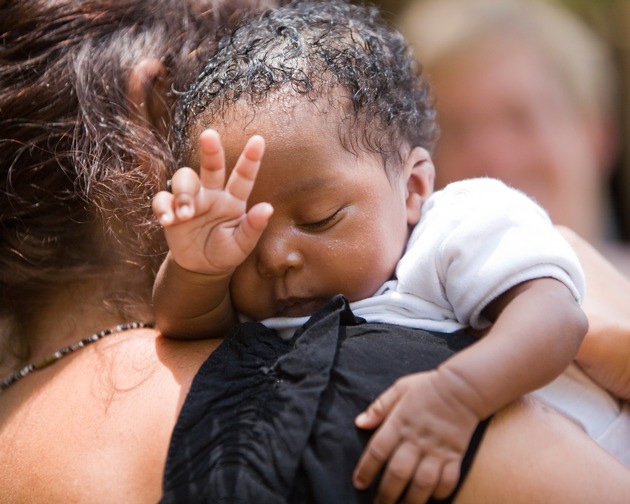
<point>62,352</point>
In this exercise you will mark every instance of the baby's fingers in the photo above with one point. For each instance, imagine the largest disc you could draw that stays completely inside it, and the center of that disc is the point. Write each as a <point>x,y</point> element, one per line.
<point>379,408</point>
<point>252,226</point>
<point>211,160</point>
<point>383,442</point>
<point>375,455</point>
<point>400,471</point>
<point>448,480</point>
<point>243,176</point>
<point>162,205</point>
<point>426,477</point>
<point>185,186</point>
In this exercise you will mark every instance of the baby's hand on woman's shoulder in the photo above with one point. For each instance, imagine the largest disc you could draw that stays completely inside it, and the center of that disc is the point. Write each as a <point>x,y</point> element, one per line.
<point>423,433</point>
<point>205,218</point>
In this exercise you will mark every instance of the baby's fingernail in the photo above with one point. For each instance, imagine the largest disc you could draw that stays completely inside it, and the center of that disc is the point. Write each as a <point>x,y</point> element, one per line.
<point>358,484</point>
<point>166,218</point>
<point>361,418</point>
<point>184,211</point>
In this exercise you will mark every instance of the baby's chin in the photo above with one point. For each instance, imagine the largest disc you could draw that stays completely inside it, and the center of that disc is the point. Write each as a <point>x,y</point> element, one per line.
<point>299,307</point>
<point>292,308</point>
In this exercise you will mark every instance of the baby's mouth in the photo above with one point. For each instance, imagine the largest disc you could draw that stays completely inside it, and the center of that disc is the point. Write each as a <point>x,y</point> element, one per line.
<point>298,307</point>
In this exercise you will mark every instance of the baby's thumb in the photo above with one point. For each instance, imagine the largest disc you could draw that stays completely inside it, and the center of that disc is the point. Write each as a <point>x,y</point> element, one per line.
<point>252,226</point>
<point>258,217</point>
<point>377,410</point>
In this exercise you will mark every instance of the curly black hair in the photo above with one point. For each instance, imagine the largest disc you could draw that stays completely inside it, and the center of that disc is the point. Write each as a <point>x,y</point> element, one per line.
<point>77,168</point>
<point>313,49</point>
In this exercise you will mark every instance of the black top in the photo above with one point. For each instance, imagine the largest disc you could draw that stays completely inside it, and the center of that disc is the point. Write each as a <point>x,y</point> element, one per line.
<point>272,421</point>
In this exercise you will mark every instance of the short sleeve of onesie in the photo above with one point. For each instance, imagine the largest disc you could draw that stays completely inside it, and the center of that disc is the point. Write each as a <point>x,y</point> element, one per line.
<point>478,238</point>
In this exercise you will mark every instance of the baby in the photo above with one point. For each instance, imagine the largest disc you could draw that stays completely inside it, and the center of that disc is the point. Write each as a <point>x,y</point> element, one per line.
<point>323,127</point>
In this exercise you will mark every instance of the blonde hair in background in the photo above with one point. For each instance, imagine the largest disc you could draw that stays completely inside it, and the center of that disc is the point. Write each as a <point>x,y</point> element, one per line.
<point>438,29</point>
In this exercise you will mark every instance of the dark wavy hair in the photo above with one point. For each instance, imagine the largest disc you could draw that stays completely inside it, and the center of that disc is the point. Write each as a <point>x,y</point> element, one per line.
<point>314,49</point>
<point>77,168</point>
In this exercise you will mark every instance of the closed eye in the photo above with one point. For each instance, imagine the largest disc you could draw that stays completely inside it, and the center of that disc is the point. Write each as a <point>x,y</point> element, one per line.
<point>322,224</point>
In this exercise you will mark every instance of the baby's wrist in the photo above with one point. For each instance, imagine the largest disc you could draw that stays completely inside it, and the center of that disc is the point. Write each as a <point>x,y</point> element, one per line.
<point>451,382</point>
<point>196,276</point>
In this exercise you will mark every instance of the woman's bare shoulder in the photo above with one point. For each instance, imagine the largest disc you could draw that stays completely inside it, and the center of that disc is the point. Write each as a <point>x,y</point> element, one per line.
<point>100,419</point>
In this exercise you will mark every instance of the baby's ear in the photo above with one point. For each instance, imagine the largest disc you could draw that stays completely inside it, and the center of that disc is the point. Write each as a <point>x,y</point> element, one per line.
<point>419,172</point>
<point>147,93</point>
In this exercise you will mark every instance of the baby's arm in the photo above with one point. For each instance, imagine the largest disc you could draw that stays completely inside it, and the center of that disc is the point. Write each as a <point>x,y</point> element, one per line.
<point>605,351</point>
<point>209,232</point>
<point>426,419</point>
<point>537,330</point>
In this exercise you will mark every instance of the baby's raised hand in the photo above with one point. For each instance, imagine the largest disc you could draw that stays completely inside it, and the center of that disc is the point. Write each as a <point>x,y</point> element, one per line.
<point>423,435</point>
<point>207,225</point>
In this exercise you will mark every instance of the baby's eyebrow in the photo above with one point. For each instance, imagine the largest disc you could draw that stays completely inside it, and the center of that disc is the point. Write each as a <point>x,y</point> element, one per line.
<point>309,184</point>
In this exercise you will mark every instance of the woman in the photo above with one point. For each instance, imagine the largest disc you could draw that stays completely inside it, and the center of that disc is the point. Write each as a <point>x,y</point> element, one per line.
<point>85,103</point>
<point>78,242</point>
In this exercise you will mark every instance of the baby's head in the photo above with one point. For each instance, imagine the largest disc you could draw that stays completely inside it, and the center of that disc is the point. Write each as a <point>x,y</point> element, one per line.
<point>343,57</point>
<point>348,124</point>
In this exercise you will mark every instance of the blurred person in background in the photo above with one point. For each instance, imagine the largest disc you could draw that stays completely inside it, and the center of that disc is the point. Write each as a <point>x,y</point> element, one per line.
<point>525,92</point>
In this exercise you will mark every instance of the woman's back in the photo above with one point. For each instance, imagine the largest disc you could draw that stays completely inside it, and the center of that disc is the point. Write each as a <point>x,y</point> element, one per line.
<point>96,425</point>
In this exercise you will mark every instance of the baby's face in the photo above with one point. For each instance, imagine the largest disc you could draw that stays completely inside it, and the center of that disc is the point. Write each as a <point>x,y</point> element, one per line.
<point>339,223</point>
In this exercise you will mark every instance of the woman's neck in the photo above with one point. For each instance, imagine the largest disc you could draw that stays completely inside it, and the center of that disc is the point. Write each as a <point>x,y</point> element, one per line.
<point>78,310</point>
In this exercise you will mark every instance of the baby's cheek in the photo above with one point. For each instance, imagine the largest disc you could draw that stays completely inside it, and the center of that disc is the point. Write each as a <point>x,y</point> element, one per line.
<point>243,287</point>
<point>369,274</point>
